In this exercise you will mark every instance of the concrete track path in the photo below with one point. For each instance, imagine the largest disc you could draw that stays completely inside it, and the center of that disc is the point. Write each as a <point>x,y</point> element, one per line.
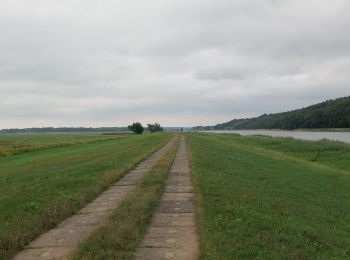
<point>172,233</point>
<point>60,242</point>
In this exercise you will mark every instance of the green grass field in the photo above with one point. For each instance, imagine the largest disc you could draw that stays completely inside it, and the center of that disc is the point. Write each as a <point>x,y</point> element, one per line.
<point>11,144</point>
<point>266,198</point>
<point>38,189</point>
<point>331,153</point>
<point>256,197</point>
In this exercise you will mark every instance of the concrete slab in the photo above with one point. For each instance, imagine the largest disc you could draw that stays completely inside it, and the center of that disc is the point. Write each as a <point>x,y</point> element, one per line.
<point>173,220</point>
<point>179,174</point>
<point>165,254</point>
<point>175,176</point>
<point>181,189</point>
<point>179,182</point>
<point>171,206</point>
<point>177,196</point>
<point>65,236</point>
<point>169,237</point>
<point>110,197</point>
<point>118,189</point>
<point>83,219</point>
<point>126,182</point>
<point>101,206</point>
<point>132,177</point>
<point>44,253</point>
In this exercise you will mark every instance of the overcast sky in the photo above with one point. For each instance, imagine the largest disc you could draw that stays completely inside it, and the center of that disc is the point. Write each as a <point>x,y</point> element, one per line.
<point>177,62</point>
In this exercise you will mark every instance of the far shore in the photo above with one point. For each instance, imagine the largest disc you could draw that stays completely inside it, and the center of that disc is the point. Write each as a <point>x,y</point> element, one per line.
<point>291,130</point>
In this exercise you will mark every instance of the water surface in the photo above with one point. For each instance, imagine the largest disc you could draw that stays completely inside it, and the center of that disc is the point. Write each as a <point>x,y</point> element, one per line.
<point>305,135</point>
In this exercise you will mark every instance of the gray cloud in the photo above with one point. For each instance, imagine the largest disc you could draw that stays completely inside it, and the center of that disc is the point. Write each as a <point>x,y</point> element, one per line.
<point>179,62</point>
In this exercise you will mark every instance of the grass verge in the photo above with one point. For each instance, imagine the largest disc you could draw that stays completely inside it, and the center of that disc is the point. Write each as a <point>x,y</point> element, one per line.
<point>120,234</point>
<point>260,204</point>
<point>40,189</point>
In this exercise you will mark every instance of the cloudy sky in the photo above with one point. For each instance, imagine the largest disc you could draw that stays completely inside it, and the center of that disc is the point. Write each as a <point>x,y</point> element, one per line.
<point>177,62</point>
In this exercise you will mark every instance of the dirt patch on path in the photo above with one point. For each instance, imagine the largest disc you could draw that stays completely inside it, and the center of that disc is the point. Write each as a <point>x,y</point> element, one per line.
<point>172,233</point>
<point>60,242</point>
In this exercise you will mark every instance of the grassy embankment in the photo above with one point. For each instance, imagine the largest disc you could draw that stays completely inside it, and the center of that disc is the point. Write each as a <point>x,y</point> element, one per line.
<point>120,234</point>
<point>254,202</point>
<point>41,188</point>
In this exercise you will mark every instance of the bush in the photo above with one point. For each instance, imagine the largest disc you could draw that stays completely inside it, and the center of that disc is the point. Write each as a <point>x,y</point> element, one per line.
<point>136,128</point>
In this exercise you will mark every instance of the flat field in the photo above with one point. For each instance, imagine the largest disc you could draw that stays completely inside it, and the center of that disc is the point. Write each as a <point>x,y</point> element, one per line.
<point>11,144</point>
<point>45,184</point>
<point>271,198</point>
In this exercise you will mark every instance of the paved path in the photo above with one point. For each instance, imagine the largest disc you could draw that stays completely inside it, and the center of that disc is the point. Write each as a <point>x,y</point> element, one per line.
<point>59,242</point>
<point>172,233</point>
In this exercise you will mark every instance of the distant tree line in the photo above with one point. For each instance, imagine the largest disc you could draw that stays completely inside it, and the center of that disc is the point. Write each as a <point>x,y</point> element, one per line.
<point>64,129</point>
<point>135,127</point>
<point>329,114</point>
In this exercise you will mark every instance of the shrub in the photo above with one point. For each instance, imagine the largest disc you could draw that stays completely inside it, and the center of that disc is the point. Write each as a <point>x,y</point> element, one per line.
<point>136,128</point>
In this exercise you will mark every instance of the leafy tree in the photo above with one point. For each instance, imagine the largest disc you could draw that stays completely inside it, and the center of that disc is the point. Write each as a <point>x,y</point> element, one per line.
<point>155,128</point>
<point>136,128</point>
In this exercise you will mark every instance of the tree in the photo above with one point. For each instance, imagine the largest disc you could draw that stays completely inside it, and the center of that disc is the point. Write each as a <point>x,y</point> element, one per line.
<point>136,128</point>
<point>155,128</point>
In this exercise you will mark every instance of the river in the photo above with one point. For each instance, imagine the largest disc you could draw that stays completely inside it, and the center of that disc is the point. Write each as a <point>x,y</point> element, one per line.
<point>305,135</point>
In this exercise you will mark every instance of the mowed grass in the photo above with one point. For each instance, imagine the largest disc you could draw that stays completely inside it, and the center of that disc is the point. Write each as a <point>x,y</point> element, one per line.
<point>11,144</point>
<point>41,188</point>
<point>121,233</point>
<point>254,203</point>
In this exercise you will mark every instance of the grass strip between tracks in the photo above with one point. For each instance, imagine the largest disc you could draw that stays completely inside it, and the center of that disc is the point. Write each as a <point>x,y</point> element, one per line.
<point>120,234</point>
